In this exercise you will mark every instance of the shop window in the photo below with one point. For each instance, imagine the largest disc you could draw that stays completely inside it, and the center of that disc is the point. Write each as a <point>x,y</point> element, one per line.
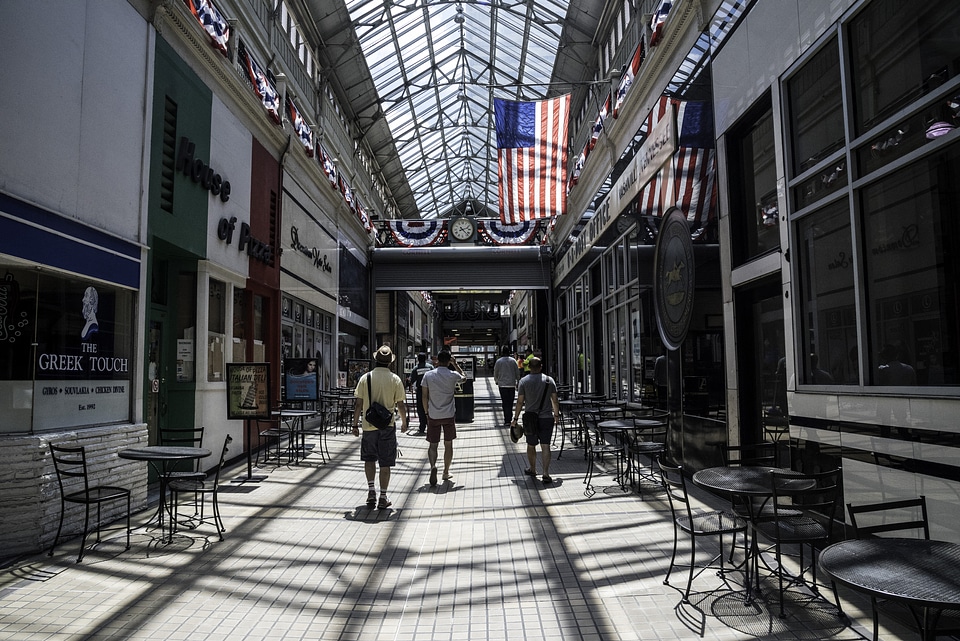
<point>816,111</point>
<point>65,351</point>
<point>216,330</point>
<point>259,329</point>
<point>239,325</point>
<point>828,351</point>
<point>909,219</point>
<point>755,214</point>
<point>901,51</point>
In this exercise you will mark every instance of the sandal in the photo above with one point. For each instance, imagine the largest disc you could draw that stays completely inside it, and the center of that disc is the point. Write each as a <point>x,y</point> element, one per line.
<point>529,472</point>
<point>547,478</point>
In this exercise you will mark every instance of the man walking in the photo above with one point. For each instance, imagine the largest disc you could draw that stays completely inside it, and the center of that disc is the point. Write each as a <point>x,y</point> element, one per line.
<point>532,393</point>
<point>506,374</point>
<point>438,388</point>
<point>413,381</point>
<point>379,446</point>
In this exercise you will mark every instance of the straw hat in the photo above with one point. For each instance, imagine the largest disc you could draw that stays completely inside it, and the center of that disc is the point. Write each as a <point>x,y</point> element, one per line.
<point>384,355</point>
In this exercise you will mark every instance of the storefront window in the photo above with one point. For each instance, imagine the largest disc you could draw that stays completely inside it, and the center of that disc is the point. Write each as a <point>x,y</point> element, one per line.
<point>239,325</point>
<point>909,217</point>
<point>65,351</point>
<point>816,109</point>
<point>216,330</point>
<point>902,51</point>
<point>756,214</point>
<point>828,350</point>
<point>259,330</point>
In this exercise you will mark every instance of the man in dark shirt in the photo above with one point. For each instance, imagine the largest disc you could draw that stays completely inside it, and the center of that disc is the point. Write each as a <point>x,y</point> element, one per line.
<point>413,382</point>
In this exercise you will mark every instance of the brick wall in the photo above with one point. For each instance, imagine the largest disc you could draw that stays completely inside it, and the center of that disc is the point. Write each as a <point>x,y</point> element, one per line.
<point>30,495</point>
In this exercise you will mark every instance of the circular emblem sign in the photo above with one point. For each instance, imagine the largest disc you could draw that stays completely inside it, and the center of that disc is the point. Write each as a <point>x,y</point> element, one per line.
<point>674,273</point>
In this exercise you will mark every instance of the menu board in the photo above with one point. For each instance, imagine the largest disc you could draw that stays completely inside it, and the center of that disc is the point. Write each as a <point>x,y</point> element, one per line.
<point>248,390</point>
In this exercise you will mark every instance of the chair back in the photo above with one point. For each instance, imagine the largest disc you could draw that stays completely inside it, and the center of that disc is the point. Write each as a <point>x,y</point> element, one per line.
<point>890,516</point>
<point>675,484</point>
<point>223,457</point>
<point>182,436</point>
<point>752,455</point>
<point>813,496</point>
<point>70,462</point>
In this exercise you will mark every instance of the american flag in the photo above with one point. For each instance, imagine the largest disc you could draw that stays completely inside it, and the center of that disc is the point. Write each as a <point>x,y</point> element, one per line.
<point>300,126</point>
<point>262,83</point>
<point>598,124</point>
<point>657,21</point>
<point>532,157</point>
<point>694,166</point>
<point>212,22</point>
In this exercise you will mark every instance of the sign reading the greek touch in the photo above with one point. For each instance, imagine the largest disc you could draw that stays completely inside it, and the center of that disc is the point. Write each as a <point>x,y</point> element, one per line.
<point>248,390</point>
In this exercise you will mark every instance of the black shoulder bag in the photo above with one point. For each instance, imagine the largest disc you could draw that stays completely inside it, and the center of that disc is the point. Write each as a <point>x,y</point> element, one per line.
<point>377,415</point>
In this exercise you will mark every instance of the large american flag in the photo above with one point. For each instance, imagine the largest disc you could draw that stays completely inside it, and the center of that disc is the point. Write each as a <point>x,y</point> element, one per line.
<point>691,183</point>
<point>532,158</point>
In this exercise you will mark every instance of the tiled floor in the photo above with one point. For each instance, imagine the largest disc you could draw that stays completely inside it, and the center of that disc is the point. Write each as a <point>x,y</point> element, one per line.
<point>493,555</point>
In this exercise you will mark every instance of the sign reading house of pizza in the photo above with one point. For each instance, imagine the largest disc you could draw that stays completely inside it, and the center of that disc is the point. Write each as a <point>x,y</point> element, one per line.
<point>674,277</point>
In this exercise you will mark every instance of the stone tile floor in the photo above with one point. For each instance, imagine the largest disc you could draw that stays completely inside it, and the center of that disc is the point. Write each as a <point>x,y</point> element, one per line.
<point>494,554</point>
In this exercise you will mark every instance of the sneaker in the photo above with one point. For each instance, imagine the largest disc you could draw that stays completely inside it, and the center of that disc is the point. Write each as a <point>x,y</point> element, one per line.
<point>383,503</point>
<point>371,498</point>
<point>433,476</point>
<point>448,477</point>
<point>547,478</point>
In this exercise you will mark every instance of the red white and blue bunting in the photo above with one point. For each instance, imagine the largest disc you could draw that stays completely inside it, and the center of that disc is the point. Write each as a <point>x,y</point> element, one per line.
<point>500,233</point>
<point>416,233</point>
<point>212,22</point>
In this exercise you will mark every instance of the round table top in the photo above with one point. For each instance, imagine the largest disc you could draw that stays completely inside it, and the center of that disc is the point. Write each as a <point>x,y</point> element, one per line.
<point>735,479</point>
<point>293,413</point>
<point>917,571</point>
<point>163,453</point>
<point>616,424</point>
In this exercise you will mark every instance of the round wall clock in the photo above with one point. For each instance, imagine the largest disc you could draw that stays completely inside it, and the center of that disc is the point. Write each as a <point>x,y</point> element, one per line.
<point>462,228</point>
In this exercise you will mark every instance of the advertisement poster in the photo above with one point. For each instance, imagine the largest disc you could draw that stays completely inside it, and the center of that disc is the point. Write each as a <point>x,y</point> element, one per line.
<point>301,381</point>
<point>355,369</point>
<point>248,390</point>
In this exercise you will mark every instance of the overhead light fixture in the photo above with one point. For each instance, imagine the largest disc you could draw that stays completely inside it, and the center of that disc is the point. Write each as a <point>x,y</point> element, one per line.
<point>459,17</point>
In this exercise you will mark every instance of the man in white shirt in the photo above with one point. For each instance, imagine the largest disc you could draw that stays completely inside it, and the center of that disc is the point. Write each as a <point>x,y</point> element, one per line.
<point>506,374</point>
<point>439,386</point>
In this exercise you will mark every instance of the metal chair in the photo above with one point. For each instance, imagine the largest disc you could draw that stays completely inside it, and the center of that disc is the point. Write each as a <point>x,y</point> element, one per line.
<point>570,424</point>
<point>697,525</point>
<point>801,512</point>
<point>182,437</point>
<point>200,488</point>
<point>71,463</point>
<point>596,447</point>
<point>871,519</point>
<point>649,440</point>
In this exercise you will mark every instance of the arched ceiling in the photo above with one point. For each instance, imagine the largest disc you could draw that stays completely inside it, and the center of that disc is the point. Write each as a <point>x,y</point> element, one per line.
<point>420,77</point>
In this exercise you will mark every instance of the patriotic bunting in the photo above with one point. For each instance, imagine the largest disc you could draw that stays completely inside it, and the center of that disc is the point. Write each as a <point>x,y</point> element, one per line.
<point>502,234</point>
<point>532,157</point>
<point>212,22</point>
<point>362,214</point>
<point>629,74</point>
<point>598,124</point>
<point>300,126</point>
<point>659,18</point>
<point>416,233</point>
<point>327,164</point>
<point>262,83</point>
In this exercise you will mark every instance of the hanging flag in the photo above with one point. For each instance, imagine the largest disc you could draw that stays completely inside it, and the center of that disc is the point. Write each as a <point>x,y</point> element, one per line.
<point>262,83</point>
<point>345,190</point>
<point>326,162</point>
<point>598,123</point>
<point>532,157</point>
<point>629,74</point>
<point>304,133</point>
<point>578,167</point>
<point>659,18</point>
<point>501,234</point>
<point>212,22</point>
<point>362,214</point>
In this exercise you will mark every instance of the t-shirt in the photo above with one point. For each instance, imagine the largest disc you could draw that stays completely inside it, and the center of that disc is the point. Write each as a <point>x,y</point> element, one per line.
<point>387,390</point>
<point>532,387</point>
<point>506,373</point>
<point>442,383</point>
<point>416,374</point>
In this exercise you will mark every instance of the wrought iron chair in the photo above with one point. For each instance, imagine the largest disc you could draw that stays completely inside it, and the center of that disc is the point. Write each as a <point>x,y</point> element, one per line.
<point>182,437</point>
<point>697,525</point>
<point>208,486</point>
<point>71,463</point>
<point>595,448</point>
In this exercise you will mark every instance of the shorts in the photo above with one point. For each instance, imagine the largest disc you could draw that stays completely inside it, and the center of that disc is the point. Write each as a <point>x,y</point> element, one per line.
<point>435,425</point>
<point>379,446</point>
<point>544,433</point>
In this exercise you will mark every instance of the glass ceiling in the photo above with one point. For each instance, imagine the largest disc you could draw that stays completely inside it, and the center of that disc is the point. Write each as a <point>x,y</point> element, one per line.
<point>437,67</point>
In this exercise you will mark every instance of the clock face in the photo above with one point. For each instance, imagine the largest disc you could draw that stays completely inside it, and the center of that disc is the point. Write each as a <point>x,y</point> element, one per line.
<point>461,228</point>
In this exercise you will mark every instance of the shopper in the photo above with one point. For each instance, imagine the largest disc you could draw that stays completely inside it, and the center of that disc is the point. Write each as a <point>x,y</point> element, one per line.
<point>506,374</point>
<point>414,379</point>
<point>379,446</point>
<point>439,386</point>
<point>537,392</point>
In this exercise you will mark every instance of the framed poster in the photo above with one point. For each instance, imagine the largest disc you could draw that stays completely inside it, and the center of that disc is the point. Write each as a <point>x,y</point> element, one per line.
<point>355,369</point>
<point>248,390</point>
<point>301,380</point>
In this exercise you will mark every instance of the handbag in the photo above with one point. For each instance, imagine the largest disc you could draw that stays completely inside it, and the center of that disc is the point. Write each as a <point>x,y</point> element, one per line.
<point>377,415</point>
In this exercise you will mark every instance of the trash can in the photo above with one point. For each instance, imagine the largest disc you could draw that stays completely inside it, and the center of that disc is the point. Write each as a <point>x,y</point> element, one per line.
<point>463,401</point>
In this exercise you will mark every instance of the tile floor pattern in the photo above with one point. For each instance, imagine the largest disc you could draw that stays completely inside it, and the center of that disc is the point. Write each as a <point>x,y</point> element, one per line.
<point>493,555</point>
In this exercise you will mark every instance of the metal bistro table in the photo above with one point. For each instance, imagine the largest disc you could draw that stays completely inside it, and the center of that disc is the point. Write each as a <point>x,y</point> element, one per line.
<point>923,574</point>
<point>295,419</point>
<point>752,483</point>
<point>158,456</point>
